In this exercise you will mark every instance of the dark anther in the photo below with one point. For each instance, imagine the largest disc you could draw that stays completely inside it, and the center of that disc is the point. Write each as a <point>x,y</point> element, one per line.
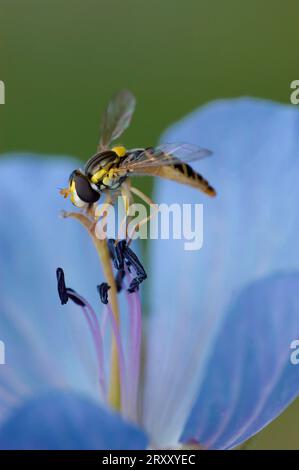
<point>119,279</point>
<point>103,291</point>
<point>74,297</point>
<point>122,255</point>
<point>116,253</point>
<point>66,293</point>
<point>132,260</point>
<point>134,285</point>
<point>62,291</point>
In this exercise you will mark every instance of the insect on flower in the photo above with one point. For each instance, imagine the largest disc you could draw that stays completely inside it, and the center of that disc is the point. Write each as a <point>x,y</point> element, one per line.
<point>210,365</point>
<point>108,170</point>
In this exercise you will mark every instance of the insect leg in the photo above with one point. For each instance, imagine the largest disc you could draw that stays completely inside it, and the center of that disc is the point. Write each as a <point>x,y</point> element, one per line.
<point>102,213</point>
<point>127,201</point>
<point>151,204</point>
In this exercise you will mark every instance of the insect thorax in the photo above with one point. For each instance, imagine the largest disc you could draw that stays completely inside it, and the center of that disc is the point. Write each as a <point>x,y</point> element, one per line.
<point>99,170</point>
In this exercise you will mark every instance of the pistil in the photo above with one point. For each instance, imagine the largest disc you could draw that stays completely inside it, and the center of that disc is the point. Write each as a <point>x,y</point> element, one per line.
<point>88,223</point>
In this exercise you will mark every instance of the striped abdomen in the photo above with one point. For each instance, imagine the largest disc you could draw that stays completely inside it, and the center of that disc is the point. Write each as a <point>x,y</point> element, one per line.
<point>183,173</point>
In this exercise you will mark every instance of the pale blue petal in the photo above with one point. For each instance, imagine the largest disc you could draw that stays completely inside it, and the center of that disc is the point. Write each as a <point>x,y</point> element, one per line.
<point>46,344</point>
<point>62,421</point>
<point>249,378</point>
<point>250,231</point>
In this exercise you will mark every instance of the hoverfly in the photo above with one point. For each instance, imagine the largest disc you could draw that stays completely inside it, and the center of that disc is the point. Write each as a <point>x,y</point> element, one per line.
<point>108,170</point>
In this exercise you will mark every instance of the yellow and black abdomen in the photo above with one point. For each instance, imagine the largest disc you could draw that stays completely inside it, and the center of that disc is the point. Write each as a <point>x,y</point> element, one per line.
<point>183,173</point>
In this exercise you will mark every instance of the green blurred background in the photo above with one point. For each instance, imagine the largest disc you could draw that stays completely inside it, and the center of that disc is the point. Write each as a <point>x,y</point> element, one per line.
<point>62,60</point>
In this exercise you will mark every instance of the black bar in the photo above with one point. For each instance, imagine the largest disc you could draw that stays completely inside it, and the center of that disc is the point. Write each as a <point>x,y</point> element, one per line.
<point>134,459</point>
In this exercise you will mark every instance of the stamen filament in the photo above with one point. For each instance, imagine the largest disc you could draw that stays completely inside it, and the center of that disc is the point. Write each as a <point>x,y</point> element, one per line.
<point>121,358</point>
<point>133,300</point>
<point>95,330</point>
<point>66,294</point>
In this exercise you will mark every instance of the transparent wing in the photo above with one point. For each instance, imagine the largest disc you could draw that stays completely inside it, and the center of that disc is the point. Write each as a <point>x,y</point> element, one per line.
<point>117,117</point>
<point>165,154</point>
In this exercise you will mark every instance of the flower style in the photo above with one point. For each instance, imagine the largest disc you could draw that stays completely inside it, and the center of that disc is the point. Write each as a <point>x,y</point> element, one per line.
<point>214,366</point>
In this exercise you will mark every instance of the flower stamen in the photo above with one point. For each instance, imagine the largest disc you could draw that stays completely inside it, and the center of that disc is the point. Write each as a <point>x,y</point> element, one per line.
<point>66,294</point>
<point>103,291</point>
<point>119,280</point>
<point>121,255</point>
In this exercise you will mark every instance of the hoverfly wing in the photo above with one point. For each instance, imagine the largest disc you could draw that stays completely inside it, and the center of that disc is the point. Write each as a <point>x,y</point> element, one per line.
<point>169,161</point>
<point>162,155</point>
<point>117,117</point>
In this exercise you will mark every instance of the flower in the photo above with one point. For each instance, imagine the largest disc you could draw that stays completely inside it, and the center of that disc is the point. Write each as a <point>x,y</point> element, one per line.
<point>238,293</point>
<point>49,393</point>
<point>216,363</point>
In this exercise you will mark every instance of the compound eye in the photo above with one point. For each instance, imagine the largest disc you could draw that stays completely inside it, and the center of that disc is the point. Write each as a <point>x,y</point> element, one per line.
<point>84,190</point>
